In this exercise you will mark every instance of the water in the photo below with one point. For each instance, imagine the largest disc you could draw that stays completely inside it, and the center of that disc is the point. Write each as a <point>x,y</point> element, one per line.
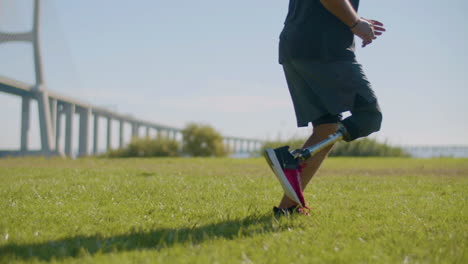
<point>437,151</point>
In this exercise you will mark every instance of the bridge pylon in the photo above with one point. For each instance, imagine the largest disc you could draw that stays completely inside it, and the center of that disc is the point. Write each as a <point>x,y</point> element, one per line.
<point>38,91</point>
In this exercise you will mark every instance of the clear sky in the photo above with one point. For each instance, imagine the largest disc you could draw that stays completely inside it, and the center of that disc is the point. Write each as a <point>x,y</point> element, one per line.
<point>215,62</point>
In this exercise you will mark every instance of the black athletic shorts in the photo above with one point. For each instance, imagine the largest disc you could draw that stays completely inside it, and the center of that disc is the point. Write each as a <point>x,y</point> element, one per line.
<point>322,91</point>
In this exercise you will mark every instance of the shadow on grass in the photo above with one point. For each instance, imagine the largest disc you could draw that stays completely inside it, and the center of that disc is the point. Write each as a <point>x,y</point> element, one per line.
<point>137,240</point>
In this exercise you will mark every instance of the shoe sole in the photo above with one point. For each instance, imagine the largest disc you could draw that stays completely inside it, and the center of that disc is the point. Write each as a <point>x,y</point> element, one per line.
<point>278,171</point>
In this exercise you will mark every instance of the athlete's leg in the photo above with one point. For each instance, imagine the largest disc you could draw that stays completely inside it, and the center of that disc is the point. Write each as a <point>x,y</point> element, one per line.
<point>320,132</point>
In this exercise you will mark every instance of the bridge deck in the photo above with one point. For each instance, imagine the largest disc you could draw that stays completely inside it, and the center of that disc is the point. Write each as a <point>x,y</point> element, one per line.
<point>18,88</point>
<point>14,87</point>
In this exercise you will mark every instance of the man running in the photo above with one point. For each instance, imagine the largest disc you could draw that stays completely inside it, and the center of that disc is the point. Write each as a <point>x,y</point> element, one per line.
<point>324,79</point>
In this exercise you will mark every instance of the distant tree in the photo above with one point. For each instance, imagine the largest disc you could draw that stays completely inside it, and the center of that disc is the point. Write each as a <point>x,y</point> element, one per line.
<point>202,141</point>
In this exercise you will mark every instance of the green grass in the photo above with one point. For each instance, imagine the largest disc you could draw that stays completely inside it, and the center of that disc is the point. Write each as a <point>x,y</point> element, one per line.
<point>366,210</point>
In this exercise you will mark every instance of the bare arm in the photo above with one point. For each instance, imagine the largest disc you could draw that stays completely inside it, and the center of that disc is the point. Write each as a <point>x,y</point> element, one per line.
<point>343,10</point>
<point>362,28</point>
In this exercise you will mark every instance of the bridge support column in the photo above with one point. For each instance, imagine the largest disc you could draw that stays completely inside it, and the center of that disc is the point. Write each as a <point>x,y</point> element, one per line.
<point>96,134</point>
<point>135,128</point>
<point>109,133</point>
<point>58,127</point>
<point>121,133</point>
<point>69,114</point>
<point>47,135</point>
<point>84,132</point>
<point>25,114</point>
<point>53,113</point>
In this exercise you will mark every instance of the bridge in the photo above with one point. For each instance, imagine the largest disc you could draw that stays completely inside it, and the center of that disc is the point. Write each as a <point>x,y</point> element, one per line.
<point>54,108</point>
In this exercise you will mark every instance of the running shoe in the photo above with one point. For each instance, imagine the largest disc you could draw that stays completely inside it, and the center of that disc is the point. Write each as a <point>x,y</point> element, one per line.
<point>288,171</point>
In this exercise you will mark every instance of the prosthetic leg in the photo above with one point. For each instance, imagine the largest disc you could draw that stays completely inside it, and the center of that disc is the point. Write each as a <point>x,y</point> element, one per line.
<point>292,159</point>
<point>303,154</point>
<point>287,165</point>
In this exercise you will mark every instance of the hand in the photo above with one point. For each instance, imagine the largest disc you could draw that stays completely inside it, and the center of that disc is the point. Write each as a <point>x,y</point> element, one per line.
<point>368,30</point>
<point>365,31</point>
<point>377,26</point>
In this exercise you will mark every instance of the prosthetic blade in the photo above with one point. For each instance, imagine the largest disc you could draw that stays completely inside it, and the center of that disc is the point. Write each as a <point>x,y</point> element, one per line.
<point>312,150</point>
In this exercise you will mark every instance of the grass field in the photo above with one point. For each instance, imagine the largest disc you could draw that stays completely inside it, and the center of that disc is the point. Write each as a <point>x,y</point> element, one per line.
<point>219,211</point>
